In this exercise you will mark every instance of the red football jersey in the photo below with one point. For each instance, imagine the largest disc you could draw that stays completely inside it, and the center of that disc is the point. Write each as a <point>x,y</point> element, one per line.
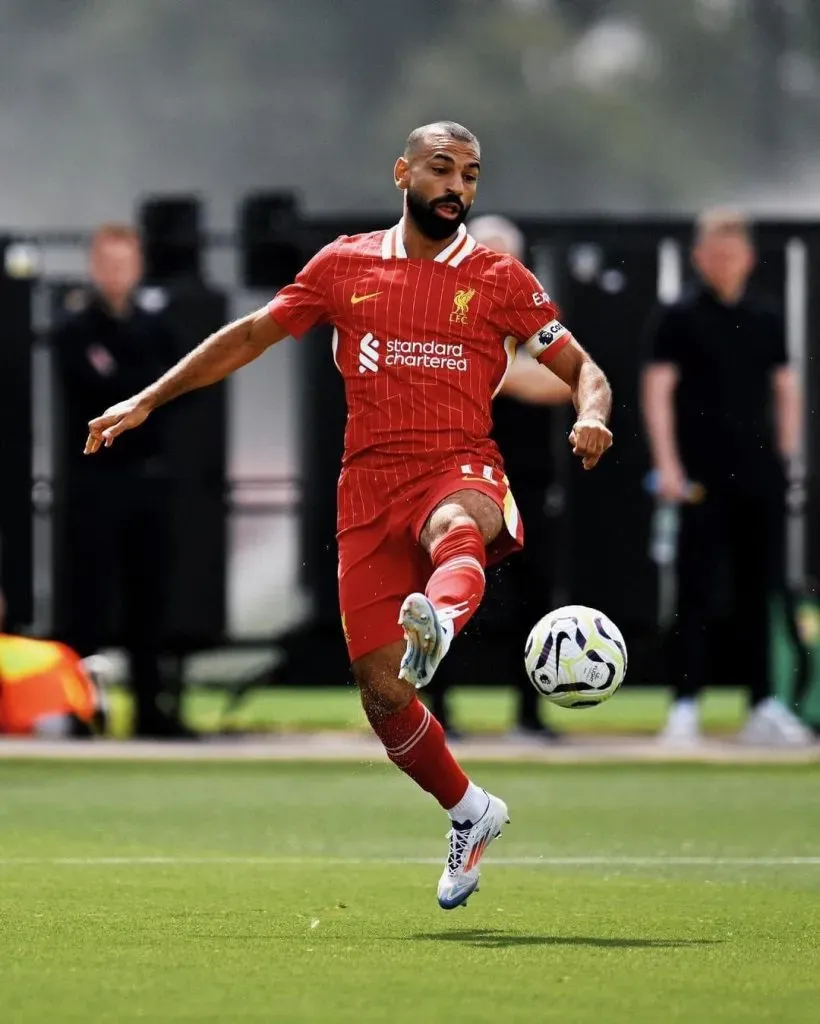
<point>423,345</point>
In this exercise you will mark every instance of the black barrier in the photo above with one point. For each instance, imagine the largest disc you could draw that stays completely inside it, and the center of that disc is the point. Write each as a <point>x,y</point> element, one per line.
<point>16,519</point>
<point>171,228</point>
<point>195,429</point>
<point>812,441</point>
<point>197,455</point>
<point>605,275</point>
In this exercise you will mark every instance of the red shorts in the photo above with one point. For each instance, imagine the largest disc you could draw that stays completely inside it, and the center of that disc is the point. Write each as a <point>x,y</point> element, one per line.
<point>381,560</point>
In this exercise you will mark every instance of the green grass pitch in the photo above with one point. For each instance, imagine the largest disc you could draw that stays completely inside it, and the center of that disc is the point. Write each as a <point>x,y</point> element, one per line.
<point>292,892</point>
<point>479,710</point>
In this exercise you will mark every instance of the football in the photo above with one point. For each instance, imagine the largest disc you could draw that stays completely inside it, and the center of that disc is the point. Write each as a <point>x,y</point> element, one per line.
<point>576,657</point>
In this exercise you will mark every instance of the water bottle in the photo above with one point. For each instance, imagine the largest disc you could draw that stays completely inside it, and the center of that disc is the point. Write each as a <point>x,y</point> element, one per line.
<point>663,533</point>
<point>693,492</point>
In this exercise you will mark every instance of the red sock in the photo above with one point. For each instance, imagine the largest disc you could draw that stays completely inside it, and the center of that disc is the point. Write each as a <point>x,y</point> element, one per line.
<point>457,583</point>
<point>415,742</point>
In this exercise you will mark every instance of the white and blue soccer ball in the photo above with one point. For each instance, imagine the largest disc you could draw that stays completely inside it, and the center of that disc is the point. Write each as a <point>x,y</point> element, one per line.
<point>576,657</point>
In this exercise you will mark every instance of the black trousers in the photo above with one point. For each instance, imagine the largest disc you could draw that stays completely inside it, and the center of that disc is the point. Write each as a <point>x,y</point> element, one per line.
<point>731,556</point>
<point>115,545</point>
<point>519,592</point>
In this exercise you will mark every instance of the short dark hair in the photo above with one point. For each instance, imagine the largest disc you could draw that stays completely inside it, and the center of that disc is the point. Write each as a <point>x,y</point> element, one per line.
<point>451,129</point>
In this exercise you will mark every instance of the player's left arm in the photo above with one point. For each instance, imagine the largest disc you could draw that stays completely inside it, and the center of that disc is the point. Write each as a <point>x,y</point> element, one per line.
<point>526,312</point>
<point>591,395</point>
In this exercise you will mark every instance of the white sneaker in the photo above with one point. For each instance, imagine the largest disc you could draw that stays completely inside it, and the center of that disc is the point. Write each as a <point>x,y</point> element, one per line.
<point>773,724</point>
<point>428,637</point>
<point>468,842</point>
<point>682,727</point>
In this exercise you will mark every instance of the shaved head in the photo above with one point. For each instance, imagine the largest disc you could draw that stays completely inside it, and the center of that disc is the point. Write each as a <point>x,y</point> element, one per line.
<point>417,139</point>
<point>438,174</point>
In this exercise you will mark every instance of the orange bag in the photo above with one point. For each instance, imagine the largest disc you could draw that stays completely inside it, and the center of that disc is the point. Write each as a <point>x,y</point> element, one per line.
<point>39,679</point>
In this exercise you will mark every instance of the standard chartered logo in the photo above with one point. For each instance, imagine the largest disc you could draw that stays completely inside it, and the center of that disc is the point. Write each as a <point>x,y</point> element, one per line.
<point>431,355</point>
<point>368,354</point>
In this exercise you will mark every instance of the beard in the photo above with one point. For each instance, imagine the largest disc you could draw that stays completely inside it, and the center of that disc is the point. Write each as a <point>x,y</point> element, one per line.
<point>429,223</point>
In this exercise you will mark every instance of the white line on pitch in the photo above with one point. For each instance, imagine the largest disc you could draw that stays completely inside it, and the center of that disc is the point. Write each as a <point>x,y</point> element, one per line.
<point>546,862</point>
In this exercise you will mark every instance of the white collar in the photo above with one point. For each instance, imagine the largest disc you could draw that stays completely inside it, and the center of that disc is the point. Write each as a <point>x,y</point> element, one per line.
<point>455,253</point>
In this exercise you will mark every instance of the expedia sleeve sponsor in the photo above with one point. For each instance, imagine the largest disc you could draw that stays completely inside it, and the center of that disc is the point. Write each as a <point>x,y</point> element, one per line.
<point>541,340</point>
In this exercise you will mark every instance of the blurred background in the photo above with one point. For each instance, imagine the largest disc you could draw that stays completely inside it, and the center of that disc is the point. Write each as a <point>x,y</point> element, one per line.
<point>583,105</point>
<point>241,137</point>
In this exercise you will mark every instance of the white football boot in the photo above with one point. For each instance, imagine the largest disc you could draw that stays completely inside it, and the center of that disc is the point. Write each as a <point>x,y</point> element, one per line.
<point>428,634</point>
<point>772,724</point>
<point>468,842</point>
<point>682,727</point>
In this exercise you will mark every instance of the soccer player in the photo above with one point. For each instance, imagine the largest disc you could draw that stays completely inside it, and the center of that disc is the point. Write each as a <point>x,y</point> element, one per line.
<point>426,324</point>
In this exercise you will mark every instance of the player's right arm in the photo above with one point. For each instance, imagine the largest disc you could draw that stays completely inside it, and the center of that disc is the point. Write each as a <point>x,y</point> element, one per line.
<point>230,348</point>
<point>293,311</point>
<point>659,381</point>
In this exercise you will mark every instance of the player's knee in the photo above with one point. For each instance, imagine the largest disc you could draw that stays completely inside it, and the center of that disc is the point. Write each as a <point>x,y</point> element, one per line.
<point>446,518</point>
<point>467,508</point>
<point>377,676</point>
<point>382,698</point>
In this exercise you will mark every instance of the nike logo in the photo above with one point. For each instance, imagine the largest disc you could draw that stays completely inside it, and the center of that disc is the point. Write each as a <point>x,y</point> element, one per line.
<point>356,299</point>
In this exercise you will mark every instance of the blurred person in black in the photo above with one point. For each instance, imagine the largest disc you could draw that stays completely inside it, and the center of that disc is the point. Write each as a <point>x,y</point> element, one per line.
<point>523,585</point>
<point>722,411</point>
<point>115,565</point>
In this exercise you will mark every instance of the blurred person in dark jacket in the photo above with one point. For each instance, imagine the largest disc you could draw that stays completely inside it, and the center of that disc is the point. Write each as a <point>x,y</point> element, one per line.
<point>524,584</point>
<point>722,410</point>
<point>115,564</point>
